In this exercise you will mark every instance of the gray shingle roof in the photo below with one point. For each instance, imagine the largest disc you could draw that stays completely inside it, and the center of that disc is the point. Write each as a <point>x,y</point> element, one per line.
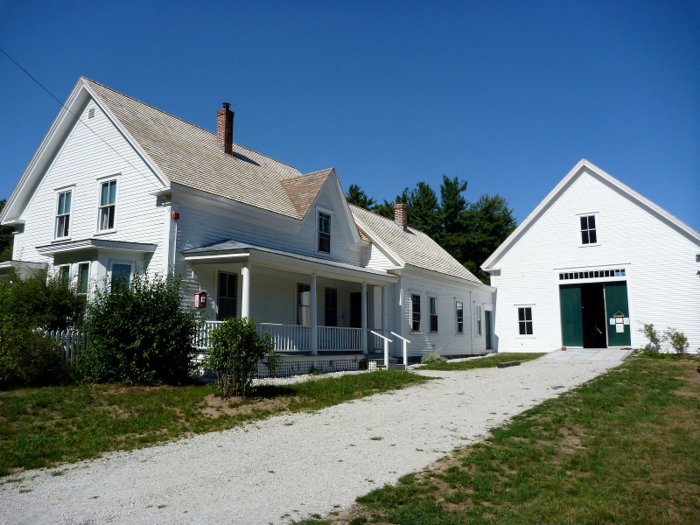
<point>190,156</point>
<point>412,246</point>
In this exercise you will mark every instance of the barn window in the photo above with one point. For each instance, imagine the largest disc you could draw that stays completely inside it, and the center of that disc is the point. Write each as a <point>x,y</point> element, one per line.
<point>588,231</point>
<point>525,320</point>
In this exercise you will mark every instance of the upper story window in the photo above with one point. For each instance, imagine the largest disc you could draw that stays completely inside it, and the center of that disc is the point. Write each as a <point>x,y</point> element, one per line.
<point>63,214</point>
<point>433,314</point>
<point>460,317</point>
<point>588,231</point>
<point>108,194</point>
<point>415,313</point>
<point>324,232</point>
<point>525,320</point>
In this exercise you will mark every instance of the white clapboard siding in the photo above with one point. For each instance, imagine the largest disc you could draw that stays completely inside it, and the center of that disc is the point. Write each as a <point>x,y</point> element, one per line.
<point>81,161</point>
<point>660,264</point>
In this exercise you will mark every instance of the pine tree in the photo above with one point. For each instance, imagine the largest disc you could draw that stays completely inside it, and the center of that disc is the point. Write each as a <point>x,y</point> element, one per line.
<point>356,196</point>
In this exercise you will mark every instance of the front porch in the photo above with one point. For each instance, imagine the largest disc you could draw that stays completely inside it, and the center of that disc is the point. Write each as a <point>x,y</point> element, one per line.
<point>311,306</point>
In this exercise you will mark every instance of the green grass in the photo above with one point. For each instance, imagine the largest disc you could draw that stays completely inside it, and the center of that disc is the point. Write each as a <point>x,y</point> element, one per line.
<point>47,426</point>
<point>623,448</point>
<point>486,362</point>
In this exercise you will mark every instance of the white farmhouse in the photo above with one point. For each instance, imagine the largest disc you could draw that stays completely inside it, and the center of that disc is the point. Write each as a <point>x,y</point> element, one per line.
<point>592,263</point>
<point>118,186</point>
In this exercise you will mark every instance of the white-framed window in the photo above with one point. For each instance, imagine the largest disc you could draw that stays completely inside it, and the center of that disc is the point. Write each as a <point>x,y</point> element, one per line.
<point>589,234</point>
<point>108,204</point>
<point>324,232</point>
<point>304,304</point>
<point>478,320</point>
<point>121,276</point>
<point>525,320</point>
<point>415,312</point>
<point>459,313</point>
<point>63,205</point>
<point>228,295</point>
<point>64,275</point>
<point>433,314</point>
<point>83,277</point>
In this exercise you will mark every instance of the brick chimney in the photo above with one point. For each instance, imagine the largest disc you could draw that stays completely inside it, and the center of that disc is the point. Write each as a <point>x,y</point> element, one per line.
<point>401,215</point>
<point>224,128</point>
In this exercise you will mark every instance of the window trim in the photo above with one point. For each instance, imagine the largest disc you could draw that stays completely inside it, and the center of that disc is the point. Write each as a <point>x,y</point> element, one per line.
<point>432,315</point>
<point>100,182</point>
<point>319,233</point>
<point>411,319</point>
<point>61,268</point>
<point>587,230</point>
<point>457,321</point>
<point>531,335</point>
<point>63,191</point>
<point>77,277</point>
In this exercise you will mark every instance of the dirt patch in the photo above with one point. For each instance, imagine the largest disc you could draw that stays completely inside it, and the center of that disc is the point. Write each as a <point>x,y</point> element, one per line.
<point>214,406</point>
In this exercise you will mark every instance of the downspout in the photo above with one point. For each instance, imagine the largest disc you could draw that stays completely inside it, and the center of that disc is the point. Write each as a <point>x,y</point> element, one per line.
<point>175,216</point>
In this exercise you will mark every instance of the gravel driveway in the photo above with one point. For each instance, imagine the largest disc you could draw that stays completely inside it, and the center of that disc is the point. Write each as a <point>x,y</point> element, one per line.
<point>289,466</point>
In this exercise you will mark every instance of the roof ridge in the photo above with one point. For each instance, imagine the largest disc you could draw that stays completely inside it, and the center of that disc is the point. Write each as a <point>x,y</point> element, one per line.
<point>182,120</point>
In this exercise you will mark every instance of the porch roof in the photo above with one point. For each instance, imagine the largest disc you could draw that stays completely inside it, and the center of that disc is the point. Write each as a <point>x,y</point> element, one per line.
<point>236,251</point>
<point>86,244</point>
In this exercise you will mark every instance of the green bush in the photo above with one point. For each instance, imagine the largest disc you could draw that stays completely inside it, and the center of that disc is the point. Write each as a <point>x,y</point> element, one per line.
<point>653,338</point>
<point>677,340</point>
<point>433,357</point>
<point>139,333</point>
<point>236,351</point>
<point>28,358</point>
<point>42,300</point>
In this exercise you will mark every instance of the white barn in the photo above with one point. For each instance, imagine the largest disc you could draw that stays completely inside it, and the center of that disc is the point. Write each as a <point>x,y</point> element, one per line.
<point>592,263</point>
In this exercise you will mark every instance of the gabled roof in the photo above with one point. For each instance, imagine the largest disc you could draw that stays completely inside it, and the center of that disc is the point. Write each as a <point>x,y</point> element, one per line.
<point>584,166</point>
<point>412,247</point>
<point>190,156</point>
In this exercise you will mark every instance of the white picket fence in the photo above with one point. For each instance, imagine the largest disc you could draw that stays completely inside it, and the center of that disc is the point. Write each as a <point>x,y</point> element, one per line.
<point>69,342</point>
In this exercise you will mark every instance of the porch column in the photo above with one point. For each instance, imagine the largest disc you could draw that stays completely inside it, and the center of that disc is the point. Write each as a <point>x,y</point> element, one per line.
<point>245,290</point>
<point>314,316</point>
<point>364,317</point>
<point>385,312</point>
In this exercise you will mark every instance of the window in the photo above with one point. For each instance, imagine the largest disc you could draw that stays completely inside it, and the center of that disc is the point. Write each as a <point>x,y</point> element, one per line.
<point>64,275</point>
<point>433,314</point>
<point>525,320</point>
<point>108,195</point>
<point>63,214</point>
<point>478,320</point>
<point>228,294</point>
<point>415,313</point>
<point>121,273</point>
<point>304,304</point>
<point>324,232</point>
<point>588,232</point>
<point>460,317</point>
<point>331,306</point>
<point>83,277</point>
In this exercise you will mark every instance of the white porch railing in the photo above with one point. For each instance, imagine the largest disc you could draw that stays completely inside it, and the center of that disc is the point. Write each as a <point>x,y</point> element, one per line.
<point>339,338</point>
<point>375,341</point>
<point>297,338</point>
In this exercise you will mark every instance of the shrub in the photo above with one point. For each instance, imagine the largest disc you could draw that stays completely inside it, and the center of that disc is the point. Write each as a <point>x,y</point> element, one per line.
<point>677,340</point>
<point>140,333</point>
<point>654,339</point>
<point>237,348</point>
<point>28,358</point>
<point>433,357</point>
<point>42,300</point>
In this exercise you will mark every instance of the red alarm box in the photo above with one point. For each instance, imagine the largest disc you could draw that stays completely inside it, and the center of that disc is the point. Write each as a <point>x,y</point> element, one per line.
<point>200,299</point>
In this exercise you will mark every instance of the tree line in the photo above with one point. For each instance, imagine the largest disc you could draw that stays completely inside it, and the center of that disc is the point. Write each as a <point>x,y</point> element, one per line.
<point>469,231</point>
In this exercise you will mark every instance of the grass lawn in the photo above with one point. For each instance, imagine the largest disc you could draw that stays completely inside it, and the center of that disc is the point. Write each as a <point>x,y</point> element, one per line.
<point>45,426</point>
<point>623,448</point>
<point>485,362</point>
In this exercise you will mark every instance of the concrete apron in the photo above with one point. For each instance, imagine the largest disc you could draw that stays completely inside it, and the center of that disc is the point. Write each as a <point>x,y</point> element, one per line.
<point>587,354</point>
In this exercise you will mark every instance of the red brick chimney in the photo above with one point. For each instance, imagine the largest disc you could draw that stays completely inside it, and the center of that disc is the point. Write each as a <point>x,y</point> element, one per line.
<point>401,215</point>
<point>224,128</point>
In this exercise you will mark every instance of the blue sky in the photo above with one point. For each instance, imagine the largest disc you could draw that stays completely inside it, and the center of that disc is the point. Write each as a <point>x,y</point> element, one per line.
<point>506,95</point>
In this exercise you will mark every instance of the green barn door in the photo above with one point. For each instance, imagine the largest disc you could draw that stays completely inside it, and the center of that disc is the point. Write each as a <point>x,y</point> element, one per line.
<point>616,303</point>
<point>571,319</point>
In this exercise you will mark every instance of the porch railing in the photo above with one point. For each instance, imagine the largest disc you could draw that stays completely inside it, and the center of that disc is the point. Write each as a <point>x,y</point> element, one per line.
<point>339,338</point>
<point>288,337</point>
